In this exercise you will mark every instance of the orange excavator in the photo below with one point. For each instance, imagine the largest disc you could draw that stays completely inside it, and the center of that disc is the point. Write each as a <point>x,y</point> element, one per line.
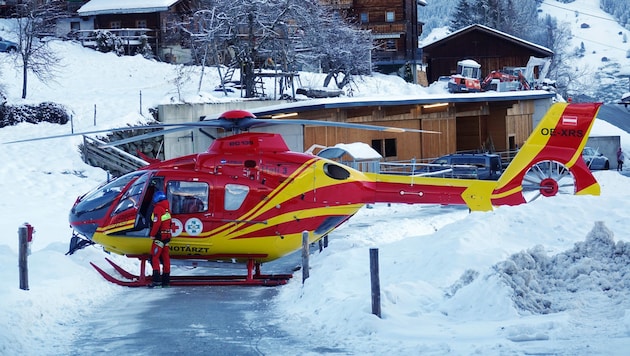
<point>468,77</point>
<point>501,81</point>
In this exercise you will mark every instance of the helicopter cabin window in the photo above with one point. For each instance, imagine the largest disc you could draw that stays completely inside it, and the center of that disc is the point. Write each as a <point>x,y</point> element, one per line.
<point>187,197</point>
<point>235,195</point>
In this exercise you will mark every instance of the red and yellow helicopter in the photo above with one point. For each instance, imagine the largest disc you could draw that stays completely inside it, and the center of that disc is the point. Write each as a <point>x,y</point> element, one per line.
<point>249,199</point>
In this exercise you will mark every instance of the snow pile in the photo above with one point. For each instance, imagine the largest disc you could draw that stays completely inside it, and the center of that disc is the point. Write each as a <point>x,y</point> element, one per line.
<point>541,283</point>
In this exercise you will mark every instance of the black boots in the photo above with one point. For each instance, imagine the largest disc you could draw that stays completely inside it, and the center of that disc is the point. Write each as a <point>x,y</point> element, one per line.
<point>166,280</point>
<point>163,282</point>
<point>155,280</point>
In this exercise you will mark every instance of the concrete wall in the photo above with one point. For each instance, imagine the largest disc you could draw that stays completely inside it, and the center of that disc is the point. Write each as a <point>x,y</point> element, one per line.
<point>541,106</point>
<point>606,145</point>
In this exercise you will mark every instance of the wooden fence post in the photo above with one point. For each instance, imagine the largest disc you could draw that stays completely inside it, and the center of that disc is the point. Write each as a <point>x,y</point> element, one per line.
<point>305,254</point>
<point>376,284</point>
<point>23,254</point>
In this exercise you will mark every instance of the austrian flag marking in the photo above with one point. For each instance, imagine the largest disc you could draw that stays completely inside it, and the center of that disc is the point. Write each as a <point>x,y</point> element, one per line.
<point>569,120</point>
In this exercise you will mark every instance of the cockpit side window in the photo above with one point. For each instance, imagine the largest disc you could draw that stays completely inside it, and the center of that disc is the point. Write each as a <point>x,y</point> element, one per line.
<point>133,195</point>
<point>187,197</point>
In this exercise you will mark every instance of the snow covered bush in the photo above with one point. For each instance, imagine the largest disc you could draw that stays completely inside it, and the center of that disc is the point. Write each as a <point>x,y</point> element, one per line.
<point>109,42</point>
<point>44,112</point>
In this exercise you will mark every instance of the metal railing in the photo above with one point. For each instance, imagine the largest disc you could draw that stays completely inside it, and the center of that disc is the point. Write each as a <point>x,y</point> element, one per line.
<point>112,159</point>
<point>130,37</point>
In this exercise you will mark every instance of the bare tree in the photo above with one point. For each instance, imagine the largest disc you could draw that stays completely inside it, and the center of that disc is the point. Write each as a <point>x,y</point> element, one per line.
<point>205,30</point>
<point>557,38</point>
<point>35,20</point>
<point>342,49</point>
<point>278,33</point>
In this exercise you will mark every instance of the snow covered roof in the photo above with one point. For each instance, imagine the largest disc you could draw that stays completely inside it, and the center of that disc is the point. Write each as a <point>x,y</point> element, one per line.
<point>358,150</point>
<point>469,63</point>
<point>492,31</point>
<point>102,7</point>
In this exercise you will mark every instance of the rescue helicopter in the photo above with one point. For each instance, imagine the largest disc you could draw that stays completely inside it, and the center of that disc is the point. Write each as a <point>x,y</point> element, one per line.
<point>248,199</point>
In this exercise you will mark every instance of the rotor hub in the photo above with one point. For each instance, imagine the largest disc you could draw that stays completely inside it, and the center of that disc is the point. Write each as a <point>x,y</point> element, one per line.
<point>548,187</point>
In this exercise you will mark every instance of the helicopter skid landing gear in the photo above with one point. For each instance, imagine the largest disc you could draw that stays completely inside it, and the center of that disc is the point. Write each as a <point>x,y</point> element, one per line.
<point>253,277</point>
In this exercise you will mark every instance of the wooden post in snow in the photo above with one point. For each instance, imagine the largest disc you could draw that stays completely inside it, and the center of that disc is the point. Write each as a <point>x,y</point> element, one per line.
<point>305,254</point>
<point>376,284</point>
<point>23,256</point>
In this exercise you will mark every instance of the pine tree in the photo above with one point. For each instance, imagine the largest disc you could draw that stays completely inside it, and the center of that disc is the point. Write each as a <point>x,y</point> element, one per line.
<point>462,16</point>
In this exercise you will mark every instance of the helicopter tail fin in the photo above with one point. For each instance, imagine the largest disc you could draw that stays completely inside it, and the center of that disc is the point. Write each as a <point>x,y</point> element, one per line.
<point>550,161</point>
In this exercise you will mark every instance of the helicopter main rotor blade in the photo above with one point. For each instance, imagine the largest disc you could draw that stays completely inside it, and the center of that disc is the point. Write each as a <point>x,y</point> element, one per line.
<point>348,125</point>
<point>228,124</point>
<point>128,128</point>
<point>144,136</point>
<point>247,123</point>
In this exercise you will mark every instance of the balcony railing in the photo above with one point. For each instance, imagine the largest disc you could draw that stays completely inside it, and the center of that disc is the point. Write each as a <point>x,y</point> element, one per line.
<point>337,4</point>
<point>129,36</point>
<point>387,28</point>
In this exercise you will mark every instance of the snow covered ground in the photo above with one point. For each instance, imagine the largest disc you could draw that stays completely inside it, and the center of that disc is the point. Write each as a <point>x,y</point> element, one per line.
<point>549,277</point>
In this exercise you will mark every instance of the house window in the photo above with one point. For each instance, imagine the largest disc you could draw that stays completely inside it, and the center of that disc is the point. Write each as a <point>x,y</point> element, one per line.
<point>364,17</point>
<point>390,16</point>
<point>141,23</point>
<point>114,24</point>
<point>386,147</point>
<point>75,25</point>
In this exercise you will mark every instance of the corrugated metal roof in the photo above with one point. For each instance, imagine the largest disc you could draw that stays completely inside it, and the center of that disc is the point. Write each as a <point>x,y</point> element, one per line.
<point>103,7</point>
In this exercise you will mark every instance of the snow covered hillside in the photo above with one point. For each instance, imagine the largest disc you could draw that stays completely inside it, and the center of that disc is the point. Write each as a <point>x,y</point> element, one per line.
<point>599,49</point>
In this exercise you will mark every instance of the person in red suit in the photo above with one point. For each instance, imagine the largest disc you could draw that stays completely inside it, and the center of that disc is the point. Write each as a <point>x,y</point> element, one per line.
<point>161,236</point>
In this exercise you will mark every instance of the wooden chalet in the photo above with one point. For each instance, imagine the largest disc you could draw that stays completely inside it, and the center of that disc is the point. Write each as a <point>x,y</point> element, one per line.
<point>134,21</point>
<point>492,49</point>
<point>395,29</point>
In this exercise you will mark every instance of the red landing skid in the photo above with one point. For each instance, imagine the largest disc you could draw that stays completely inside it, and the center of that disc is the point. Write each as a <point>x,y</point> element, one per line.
<point>253,277</point>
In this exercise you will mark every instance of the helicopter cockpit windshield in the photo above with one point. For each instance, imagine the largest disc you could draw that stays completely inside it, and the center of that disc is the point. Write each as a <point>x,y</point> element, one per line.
<point>95,204</point>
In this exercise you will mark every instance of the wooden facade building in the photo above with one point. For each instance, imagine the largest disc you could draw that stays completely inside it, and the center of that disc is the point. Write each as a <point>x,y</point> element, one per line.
<point>485,126</point>
<point>492,49</point>
<point>500,122</point>
<point>133,21</point>
<point>395,30</point>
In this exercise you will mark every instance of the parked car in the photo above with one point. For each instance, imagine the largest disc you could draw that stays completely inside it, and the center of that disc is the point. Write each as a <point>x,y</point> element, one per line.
<point>466,165</point>
<point>7,46</point>
<point>595,160</point>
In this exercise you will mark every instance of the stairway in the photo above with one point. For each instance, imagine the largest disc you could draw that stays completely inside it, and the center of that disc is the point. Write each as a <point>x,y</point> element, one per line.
<point>112,159</point>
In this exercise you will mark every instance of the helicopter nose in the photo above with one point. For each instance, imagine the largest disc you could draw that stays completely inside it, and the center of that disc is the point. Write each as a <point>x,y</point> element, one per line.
<point>85,219</point>
<point>85,227</point>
